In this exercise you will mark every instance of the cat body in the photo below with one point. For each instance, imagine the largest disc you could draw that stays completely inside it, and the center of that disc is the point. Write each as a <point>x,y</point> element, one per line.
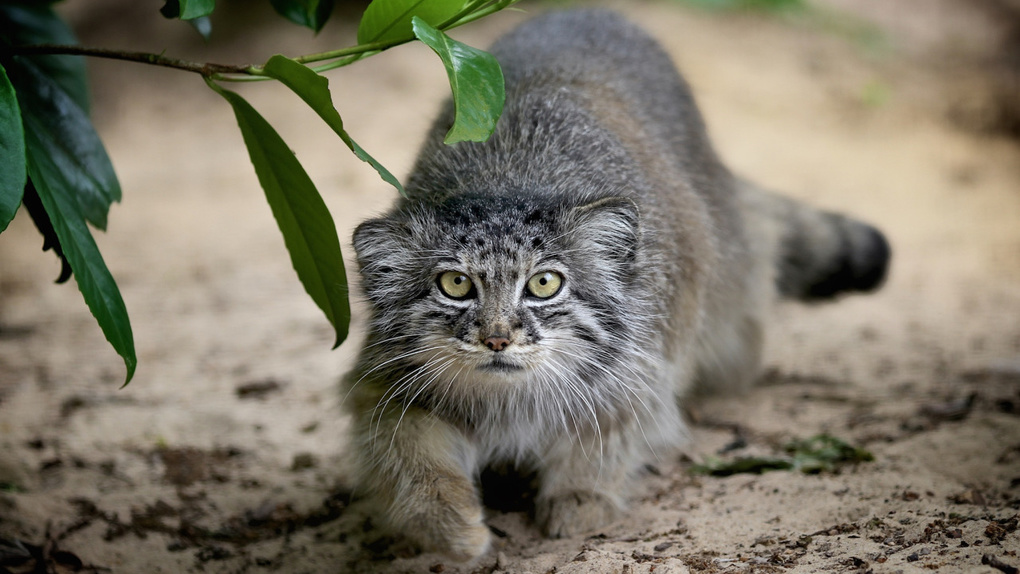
<point>545,298</point>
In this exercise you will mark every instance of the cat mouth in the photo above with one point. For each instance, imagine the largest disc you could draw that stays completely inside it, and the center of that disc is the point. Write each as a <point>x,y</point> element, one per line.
<point>500,365</point>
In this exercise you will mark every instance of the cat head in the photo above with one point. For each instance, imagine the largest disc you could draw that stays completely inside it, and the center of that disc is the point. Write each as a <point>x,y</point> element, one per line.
<point>497,289</point>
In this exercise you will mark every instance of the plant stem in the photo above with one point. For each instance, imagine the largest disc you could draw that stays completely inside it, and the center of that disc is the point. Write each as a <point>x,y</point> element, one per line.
<point>224,72</point>
<point>339,63</point>
<point>206,69</point>
<point>492,9</point>
<point>360,50</point>
<point>468,9</point>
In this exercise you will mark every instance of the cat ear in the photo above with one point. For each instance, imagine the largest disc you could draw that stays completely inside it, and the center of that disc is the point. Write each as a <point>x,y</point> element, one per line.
<point>380,245</point>
<point>610,226</point>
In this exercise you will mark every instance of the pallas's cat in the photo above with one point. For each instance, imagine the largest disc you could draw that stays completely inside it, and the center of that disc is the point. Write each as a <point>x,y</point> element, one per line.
<point>545,298</point>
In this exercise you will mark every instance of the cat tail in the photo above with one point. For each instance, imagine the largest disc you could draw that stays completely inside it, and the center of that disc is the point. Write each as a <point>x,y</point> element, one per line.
<point>816,254</point>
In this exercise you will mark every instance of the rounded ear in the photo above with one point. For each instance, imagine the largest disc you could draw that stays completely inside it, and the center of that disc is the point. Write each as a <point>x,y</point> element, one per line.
<point>381,245</point>
<point>610,226</point>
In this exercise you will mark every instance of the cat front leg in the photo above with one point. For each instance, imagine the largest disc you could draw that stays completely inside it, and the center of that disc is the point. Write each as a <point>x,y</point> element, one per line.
<point>583,483</point>
<point>418,469</point>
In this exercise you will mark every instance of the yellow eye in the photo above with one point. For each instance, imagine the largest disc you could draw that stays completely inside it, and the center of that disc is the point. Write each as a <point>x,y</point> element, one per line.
<point>455,284</point>
<point>545,284</point>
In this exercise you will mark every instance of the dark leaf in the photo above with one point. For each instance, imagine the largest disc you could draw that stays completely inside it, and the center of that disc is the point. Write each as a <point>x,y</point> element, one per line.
<point>68,139</point>
<point>308,229</point>
<point>34,207</point>
<point>476,81</point>
<point>201,24</point>
<point>12,152</point>
<point>308,13</point>
<point>314,90</point>
<point>94,280</point>
<point>67,166</point>
<point>187,9</point>
<point>390,20</point>
<point>22,24</point>
<point>171,9</point>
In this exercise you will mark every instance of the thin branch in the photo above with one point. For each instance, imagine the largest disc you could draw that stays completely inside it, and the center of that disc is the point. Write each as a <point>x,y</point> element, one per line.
<point>206,69</point>
<point>486,11</point>
<point>225,72</point>
<point>468,9</point>
<point>353,53</point>
<point>341,62</point>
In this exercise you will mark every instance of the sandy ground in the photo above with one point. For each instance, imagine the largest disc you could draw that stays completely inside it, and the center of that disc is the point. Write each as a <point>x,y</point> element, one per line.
<point>225,454</point>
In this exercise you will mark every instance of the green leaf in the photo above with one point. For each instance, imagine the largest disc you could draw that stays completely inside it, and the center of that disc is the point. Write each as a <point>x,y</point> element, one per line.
<point>13,173</point>
<point>476,81</point>
<point>308,13</point>
<point>66,133</point>
<point>68,171</point>
<point>187,9</point>
<point>22,24</point>
<point>390,20</point>
<point>196,15</point>
<point>75,183</point>
<point>37,213</point>
<point>812,455</point>
<point>308,229</point>
<point>314,90</point>
<point>824,452</point>
<point>94,280</point>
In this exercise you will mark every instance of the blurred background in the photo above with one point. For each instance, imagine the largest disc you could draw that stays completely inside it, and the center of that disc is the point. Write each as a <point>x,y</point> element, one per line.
<point>905,114</point>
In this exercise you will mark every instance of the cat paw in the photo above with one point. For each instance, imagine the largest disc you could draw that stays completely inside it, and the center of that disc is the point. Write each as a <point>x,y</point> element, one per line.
<point>449,520</point>
<point>572,513</point>
<point>467,544</point>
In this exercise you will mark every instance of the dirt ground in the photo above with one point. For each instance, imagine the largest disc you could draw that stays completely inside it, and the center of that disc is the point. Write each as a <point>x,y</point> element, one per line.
<point>225,454</point>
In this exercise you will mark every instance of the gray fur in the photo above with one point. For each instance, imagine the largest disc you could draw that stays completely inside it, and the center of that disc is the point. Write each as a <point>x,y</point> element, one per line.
<point>600,170</point>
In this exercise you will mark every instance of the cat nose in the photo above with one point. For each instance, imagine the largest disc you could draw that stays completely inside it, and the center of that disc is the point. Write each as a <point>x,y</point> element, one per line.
<point>496,343</point>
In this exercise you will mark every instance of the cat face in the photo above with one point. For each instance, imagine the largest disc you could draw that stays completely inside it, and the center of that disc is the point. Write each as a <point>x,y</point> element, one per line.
<point>498,290</point>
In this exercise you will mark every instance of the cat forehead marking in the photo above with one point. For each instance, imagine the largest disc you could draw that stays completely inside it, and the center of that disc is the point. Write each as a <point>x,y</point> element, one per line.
<point>501,228</point>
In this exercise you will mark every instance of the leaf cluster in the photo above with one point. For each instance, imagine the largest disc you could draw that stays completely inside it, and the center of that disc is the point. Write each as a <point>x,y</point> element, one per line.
<point>813,455</point>
<point>308,13</point>
<point>53,162</point>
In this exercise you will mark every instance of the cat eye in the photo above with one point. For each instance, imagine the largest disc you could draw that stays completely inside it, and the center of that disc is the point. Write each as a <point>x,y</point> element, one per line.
<point>545,284</point>
<point>455,285</point>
